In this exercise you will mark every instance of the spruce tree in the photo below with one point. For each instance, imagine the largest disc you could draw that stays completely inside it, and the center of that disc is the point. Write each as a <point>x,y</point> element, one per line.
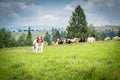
<point>77,25</point>
<point>47,38</point>
<point>29,37</point>
<point>92,31</point>
<point>56,36</point>
<point>22,41</point>
<point>118,33</point>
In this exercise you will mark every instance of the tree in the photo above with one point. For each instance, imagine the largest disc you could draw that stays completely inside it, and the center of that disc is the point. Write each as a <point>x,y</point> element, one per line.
<point>56,36</point>
<point>77,24</point>
<point>2,38</point>
<point>6,39</point>
<point>13,42</point>
<point>53,33</point>
<point>118,33</point>
<point>21,40</point>
<point>62,35</point>
<point>92,31</point>
<point>47,38</point>
<point>29,37</point>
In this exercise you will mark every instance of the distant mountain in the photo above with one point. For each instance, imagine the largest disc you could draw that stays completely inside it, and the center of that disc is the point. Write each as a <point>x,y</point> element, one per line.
<point>33,28</point>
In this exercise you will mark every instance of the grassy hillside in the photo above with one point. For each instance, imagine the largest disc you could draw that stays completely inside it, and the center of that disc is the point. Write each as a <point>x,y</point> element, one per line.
<point>34,34</point>
<point>79,61</point>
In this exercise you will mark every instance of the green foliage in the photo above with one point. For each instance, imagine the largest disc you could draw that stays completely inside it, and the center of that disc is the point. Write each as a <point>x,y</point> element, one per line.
<point>92,31</point>
<point>77,24</point>
<point>107,33</point>
<point>118,33</point>
<point>22,40</point>
<point>13,42</point>
<point>29,37</point>
<point>6,39</point>
<point>79,61</point>
<point>2,38</point>
<point>47,38</point>
<point>63,34</point>
<point>55,35</point>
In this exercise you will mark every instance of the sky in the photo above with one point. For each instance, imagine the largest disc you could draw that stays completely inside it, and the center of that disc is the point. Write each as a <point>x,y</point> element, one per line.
<point>57,12</point>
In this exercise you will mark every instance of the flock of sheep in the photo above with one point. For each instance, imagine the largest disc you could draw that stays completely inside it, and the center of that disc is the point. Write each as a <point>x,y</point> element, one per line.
<point>114,38</point>
<point>74,40</point>
<point>82,39</point>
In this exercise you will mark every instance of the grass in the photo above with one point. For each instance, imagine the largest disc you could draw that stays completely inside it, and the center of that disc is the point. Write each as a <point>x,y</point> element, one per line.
<point>79,61</point>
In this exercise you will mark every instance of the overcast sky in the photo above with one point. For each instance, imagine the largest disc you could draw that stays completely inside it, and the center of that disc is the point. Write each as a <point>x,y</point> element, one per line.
<point>57,12</point>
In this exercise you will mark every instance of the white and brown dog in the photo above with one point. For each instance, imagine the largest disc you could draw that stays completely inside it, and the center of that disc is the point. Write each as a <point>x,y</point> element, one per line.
<point>38,45</point>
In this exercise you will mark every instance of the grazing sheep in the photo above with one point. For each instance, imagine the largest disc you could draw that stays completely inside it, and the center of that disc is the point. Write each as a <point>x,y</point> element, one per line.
<point>82,39</point>
<point>116,38</point>
<point>68,41</point>
<point>107,39</point>
<point>90,39</point>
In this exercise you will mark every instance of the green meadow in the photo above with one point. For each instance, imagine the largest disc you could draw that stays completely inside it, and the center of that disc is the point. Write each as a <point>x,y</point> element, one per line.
<point>78,61</point>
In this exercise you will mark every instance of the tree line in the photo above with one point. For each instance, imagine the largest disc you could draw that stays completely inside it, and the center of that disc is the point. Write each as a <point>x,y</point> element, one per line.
<point>7,40</point>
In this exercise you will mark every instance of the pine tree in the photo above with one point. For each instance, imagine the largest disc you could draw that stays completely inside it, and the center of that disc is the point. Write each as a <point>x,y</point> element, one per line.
<point>22,41</point>
<point>29,37</point>
<point>53,33</point>
<point>2,31</point>
<point>77,24</point>
<point>47,38</point>
<point>92,31</point>
<point>56,36</point>
<point>118,33</point>
<point>62,35</point>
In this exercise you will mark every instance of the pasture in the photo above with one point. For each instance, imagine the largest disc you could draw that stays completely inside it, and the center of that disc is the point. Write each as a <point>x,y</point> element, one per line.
<point>34,34</point>
<point>78,61</point>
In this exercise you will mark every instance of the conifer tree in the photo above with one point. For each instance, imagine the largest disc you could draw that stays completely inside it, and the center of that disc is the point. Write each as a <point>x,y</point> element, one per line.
<point>47,38</point>
<point>29,37</point>
<point>56,36</point>
<point>77,25</point>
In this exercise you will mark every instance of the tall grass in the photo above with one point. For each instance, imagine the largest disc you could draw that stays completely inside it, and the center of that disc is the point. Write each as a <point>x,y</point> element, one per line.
<point>79,61</point>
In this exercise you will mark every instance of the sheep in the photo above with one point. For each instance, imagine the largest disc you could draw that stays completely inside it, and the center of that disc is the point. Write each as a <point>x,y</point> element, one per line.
<point>107,39</point>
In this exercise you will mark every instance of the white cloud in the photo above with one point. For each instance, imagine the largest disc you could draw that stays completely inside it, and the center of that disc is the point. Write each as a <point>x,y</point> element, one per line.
<point>39,15</point>
<point>94,3</point>
<point>22,5</point>
<point>91,8</point>
<point>51,18</point>
<point>15,15</point>
<point>96,19</point>
<point>69,8</point>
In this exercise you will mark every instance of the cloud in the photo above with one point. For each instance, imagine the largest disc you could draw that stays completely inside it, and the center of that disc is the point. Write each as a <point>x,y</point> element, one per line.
<point>96,19</point>
<point>68,8</point>
<point>32,13</point>
<point>98,12</point>
<point>50,18</point>
<point>95,3</point>
<point>22,13</point>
